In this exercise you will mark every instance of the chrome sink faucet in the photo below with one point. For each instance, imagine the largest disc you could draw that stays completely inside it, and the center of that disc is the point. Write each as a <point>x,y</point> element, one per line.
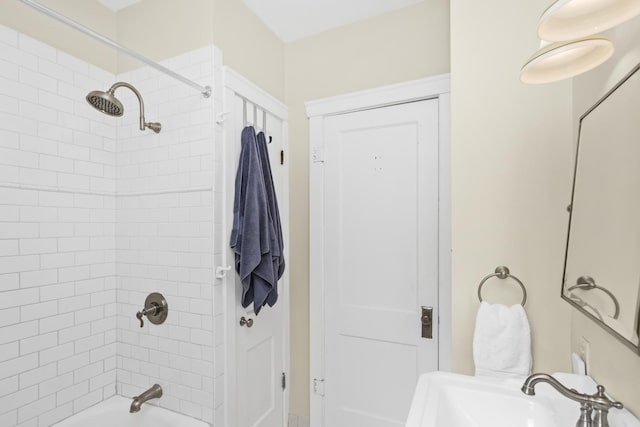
<point>597,403</point>
<point>154,392</point>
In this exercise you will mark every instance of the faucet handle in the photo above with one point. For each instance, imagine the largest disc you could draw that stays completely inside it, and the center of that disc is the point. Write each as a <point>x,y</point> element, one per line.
<point>139,317</point>
<point>601,405</point>
<point>149,311</point>
<point>605,401</point>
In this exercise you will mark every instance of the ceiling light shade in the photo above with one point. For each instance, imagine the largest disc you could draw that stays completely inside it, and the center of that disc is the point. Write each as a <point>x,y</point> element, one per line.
<point>573,19</point>
<point>562,60</point>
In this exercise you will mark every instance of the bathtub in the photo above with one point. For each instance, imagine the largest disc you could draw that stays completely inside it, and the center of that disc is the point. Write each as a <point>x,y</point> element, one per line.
<point>115,412</point>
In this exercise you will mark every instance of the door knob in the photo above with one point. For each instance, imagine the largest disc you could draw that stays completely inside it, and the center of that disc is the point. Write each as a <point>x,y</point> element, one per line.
<point>248,322</point>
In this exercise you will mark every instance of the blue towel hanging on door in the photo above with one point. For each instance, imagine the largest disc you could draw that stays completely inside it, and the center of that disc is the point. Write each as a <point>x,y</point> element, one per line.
<point>277,243</point>
<point>272,200</point>
<point>256,236</point>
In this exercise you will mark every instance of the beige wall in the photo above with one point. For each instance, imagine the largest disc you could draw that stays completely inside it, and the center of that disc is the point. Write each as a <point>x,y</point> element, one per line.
<point>158,29</point>
<point>511,157</point>
<point>249,46</point>
<point>408,44</point>
<point>611,363</point>
<point>89,13</point>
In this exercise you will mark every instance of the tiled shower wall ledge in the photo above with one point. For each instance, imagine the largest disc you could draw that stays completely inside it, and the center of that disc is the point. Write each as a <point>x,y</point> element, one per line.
<point>101,193</point>
<point>80,193</point>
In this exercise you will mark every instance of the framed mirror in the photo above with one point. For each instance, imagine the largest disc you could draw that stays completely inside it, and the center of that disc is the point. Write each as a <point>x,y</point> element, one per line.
<point>602,259</point>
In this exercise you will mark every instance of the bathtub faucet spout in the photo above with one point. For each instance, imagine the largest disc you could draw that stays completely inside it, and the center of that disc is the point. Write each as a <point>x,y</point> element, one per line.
<point>154,392</point>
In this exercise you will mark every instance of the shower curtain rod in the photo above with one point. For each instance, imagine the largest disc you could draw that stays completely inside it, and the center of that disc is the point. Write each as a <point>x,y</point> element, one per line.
<point>204,90</point>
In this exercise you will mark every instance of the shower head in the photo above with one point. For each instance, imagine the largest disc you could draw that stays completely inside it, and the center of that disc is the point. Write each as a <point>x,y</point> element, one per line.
<point>107,103</point>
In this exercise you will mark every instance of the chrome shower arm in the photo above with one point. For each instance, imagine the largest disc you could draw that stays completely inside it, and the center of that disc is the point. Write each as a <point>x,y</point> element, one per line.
<point>112,89</point>
<point>154,126</point>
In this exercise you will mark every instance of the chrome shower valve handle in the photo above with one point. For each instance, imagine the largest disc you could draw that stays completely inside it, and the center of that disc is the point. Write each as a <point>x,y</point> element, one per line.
<point>147,311</point>
<point>139,317</point>
<point>155,308</point>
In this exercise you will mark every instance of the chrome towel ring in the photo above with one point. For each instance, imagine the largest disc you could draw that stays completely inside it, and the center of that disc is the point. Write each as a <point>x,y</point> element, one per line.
<point>502,272</point>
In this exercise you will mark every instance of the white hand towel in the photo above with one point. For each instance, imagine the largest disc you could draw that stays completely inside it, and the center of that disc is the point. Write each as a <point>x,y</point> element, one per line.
<point>502,341</point>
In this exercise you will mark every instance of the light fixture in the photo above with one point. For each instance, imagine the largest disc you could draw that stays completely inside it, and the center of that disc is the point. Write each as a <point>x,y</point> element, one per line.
<point>561,60</point>
<point>574,19</point>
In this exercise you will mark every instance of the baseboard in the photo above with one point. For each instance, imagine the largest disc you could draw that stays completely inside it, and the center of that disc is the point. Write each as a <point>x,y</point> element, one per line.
<point>298,421</point>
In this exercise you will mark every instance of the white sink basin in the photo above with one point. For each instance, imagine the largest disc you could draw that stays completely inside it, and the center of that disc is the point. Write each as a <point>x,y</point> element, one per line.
<point>443,399</point>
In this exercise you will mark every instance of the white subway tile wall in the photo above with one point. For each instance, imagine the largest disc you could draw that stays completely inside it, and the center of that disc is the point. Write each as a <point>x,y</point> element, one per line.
<point>164,237</point>
<point>57,237</point>
<point>94,215</point>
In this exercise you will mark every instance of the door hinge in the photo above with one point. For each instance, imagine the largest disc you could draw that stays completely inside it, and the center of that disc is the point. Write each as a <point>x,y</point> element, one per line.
<point>282,157</point>
<point>284,381</point>
<point>318,386</point>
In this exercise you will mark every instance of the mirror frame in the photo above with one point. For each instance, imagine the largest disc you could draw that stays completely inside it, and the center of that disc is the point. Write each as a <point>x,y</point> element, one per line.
<point>610,330</point>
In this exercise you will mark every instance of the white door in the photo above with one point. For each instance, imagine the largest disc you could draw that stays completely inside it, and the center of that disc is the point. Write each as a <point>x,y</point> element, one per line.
<point>259,340</point>
<point>260,367</point>
<point>380,261</point>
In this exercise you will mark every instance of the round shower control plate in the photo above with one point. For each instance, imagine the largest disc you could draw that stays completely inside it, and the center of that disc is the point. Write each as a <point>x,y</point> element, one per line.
<point>158,316</point>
